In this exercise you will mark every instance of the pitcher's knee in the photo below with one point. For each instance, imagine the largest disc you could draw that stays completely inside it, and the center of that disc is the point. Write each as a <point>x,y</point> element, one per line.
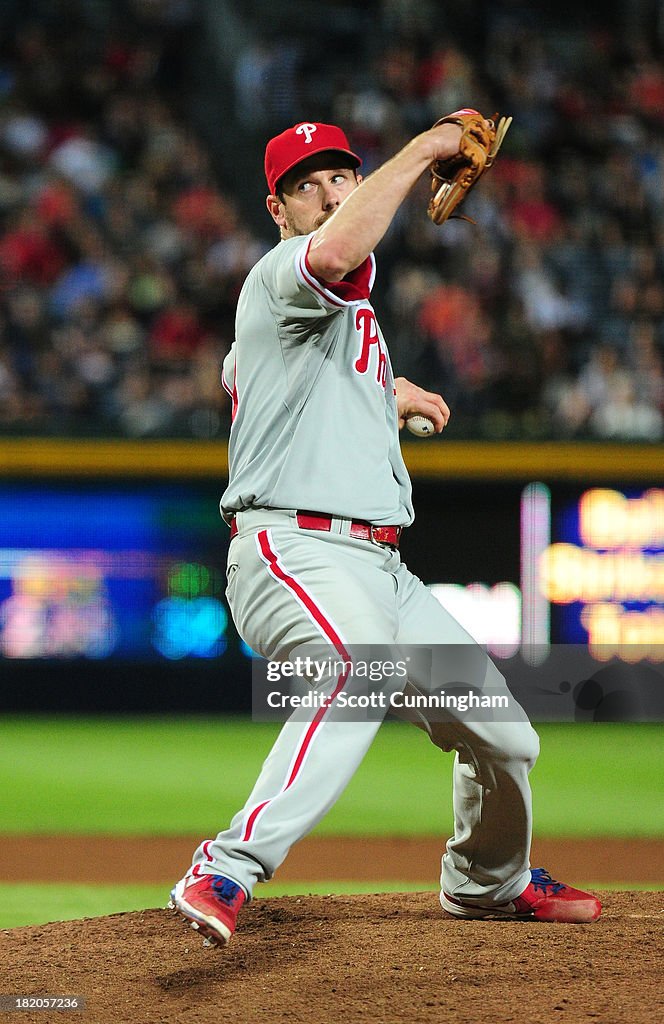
<point>515,742</point>
<point>529,745</point>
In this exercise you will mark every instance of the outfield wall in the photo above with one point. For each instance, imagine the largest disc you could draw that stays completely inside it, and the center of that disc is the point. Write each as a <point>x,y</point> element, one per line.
<point>112,559</point>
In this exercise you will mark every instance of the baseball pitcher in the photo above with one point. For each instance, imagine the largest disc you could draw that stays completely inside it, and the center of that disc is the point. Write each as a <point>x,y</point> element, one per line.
<point>317,499</point>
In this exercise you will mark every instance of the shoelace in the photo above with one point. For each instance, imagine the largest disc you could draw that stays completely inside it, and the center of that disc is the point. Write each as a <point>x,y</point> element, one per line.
<point>541,879</point>
<point>224,889</point>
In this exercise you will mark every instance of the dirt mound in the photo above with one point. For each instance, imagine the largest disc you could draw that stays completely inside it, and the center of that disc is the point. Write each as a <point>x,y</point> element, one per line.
<point>381,958</point>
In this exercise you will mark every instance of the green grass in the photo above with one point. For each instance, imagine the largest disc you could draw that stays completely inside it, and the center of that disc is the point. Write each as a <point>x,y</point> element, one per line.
<point>49,901</point>
<point>37,903</point>
<point>188,775</point>
<point>180,775</point>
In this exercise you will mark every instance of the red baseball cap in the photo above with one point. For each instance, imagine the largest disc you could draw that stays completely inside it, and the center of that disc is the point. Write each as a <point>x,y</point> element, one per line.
<point>296,144</point>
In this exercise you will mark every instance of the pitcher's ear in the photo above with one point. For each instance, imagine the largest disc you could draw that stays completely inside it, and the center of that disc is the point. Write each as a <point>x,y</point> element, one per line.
<point>275,209</point>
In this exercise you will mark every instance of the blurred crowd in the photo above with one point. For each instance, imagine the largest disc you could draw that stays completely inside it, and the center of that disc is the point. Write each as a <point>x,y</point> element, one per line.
<point>122,255</point>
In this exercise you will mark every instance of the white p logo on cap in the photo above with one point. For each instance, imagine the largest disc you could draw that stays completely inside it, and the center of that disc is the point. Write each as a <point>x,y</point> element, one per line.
<point>307,130</point>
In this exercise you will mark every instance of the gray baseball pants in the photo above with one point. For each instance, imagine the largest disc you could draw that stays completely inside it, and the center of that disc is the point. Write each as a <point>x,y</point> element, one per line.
<point>289,588</point>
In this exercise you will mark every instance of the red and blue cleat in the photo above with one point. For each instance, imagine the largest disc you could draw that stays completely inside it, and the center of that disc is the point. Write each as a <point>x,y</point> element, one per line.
<point>543,899</point>
<point>210,904</point>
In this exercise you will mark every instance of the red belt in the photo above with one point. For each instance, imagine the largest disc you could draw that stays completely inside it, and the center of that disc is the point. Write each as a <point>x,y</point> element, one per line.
<point>359,529</point>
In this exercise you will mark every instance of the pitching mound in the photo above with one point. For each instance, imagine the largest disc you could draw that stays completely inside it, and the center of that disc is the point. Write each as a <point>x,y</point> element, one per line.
<point>384,958</point>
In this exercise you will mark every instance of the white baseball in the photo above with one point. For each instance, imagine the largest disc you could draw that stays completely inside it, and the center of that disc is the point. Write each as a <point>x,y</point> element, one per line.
<point>421,426</point>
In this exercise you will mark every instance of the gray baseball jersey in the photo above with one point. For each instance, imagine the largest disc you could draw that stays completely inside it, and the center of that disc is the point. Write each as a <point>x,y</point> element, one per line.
<point>331,443</point>
<point>315,427</point>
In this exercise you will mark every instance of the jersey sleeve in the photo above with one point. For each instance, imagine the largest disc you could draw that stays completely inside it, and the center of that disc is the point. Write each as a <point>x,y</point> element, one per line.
<point>296,291</point>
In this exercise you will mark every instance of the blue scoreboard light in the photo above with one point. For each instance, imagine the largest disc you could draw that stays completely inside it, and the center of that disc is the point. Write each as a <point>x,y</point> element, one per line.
<point>112,573</point>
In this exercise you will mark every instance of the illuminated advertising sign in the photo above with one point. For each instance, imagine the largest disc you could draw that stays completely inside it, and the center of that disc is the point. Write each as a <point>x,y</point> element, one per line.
<point>491,614</point>
<point>591,573</point>
<point>604,573</point>
<point>110,573</point>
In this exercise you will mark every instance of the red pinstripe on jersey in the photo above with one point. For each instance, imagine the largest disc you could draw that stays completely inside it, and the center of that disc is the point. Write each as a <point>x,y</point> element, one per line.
<point>270,556</point>
<point>232,391</point>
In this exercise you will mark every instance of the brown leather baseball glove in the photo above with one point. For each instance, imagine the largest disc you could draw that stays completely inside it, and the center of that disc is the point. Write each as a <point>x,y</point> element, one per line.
<point>452,179</point>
